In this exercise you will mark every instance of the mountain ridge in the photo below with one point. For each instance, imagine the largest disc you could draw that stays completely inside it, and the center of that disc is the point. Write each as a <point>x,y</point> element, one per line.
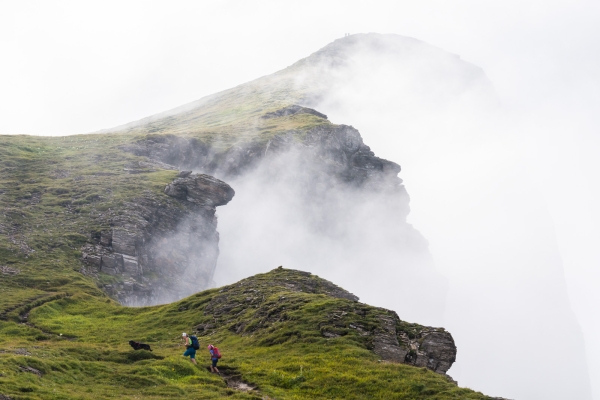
<point>130,216</point>
<point>284,334</point>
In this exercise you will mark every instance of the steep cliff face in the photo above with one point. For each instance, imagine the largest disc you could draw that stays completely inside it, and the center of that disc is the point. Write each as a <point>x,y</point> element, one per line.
<point>336,150</point>
<point>321,159</point>
<point>162,249</point>
<point>314,198</point>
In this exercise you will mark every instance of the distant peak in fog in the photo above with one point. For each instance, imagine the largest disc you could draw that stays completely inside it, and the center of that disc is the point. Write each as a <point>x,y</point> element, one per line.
<point>316,76</point>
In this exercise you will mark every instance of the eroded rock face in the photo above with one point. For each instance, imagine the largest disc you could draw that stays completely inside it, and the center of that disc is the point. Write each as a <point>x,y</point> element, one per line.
<point>324,156</point>
<point>329,186</point>
<point>338,148</point>
<point>436,351</point>
<point>163,248</point>
<point>200,189</point>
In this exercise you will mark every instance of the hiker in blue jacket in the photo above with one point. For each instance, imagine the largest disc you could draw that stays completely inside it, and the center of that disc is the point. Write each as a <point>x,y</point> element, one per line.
<point>214,356</point>
<point>190,350</point>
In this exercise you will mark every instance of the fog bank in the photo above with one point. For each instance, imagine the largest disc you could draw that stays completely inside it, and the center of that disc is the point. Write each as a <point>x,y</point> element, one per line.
<point>465,164</point>
<point>294,210</point>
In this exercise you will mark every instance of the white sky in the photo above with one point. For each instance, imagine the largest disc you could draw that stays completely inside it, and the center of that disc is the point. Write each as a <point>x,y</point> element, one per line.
<point>77,67</point>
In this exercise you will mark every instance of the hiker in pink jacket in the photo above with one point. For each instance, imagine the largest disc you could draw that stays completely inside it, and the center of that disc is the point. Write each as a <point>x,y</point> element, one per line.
<point>214,356</point>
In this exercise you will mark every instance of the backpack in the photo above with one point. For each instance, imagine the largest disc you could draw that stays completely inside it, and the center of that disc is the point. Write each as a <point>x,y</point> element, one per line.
<point>216,352</point>
<point>194,342</point>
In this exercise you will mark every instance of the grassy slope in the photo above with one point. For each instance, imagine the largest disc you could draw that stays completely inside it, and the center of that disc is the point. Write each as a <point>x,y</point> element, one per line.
<point>285,359</point>
<point>56,192</point>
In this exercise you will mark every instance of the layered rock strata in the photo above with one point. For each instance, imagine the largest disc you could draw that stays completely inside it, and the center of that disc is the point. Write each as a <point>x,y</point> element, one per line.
<point>163,248</point>
<point>328,185</point>
<point>337,149</point>
<point>321,158</point>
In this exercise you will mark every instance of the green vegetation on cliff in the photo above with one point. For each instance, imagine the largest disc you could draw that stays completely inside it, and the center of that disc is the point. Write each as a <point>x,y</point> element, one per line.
<point>62,337</point>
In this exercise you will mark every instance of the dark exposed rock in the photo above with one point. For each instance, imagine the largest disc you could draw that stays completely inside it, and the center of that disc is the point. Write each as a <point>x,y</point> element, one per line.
<point>184,174</point>
<point>204,327</point>
<point>334,149</point>
<point>432,348</point>
<point>437,351</point>
<point>291,110</point>
<point>106,239</point>
<point>342,150</point>
<point>162,248</point>
<point>385,340</point>
<point>332,173</point>
<point>201,189</point>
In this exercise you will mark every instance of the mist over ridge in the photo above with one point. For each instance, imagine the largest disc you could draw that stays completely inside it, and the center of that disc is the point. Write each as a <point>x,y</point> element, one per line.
<point>490,108</point>
<point>464,167</point>
<point>467,170</point>
<point>320,193</point>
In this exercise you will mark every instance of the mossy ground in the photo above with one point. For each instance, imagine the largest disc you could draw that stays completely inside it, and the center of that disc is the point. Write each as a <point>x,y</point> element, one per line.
<point>92,360</point>
<point>78,342</point>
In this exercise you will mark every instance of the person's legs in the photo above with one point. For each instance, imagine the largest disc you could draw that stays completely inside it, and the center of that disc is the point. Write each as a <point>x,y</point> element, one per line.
<point>214,368</point>
<point>192,353</point>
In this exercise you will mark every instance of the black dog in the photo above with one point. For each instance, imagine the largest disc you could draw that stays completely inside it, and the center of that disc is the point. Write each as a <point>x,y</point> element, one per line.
<point>139,346</point>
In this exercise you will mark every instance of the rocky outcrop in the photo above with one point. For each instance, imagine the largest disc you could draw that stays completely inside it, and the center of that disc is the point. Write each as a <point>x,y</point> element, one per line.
<point>322,157</point>
<point>338,148</point>
<point>200,189</point>
<point>326,183</point>
<point>165,249</point>
<point>398,341</point>
<point>379,329</point>
<point>292,110</point>
<point>162,248</point>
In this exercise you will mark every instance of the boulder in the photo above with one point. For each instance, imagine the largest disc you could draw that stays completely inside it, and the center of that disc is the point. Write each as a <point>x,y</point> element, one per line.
<point>201,189</point>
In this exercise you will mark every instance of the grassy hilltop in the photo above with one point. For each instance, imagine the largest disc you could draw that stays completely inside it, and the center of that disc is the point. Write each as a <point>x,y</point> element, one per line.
<point>62,337</point>
<point>74,345</point>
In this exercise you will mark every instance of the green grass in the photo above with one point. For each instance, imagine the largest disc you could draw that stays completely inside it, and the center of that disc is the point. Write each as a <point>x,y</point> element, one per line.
<point>59,193</point>
<point>79,344</point>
